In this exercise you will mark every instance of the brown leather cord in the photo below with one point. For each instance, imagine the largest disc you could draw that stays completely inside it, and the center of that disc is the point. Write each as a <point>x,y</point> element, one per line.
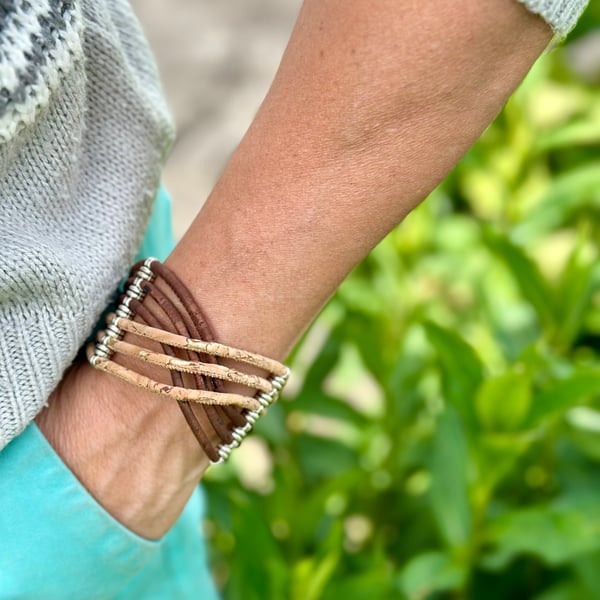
<point>185,407</point>
<point>176,318</point>
<point>199,326</point>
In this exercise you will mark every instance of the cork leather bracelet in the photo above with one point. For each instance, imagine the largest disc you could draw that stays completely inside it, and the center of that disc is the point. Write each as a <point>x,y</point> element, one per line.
<point>157,308</point>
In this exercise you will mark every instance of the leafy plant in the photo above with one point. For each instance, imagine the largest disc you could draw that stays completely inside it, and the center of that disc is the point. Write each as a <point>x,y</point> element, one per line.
<point>441,438</point>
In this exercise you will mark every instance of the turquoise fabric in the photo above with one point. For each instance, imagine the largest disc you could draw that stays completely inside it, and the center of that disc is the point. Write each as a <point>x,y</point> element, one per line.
<point>57,542</point>
<point>158,240</point>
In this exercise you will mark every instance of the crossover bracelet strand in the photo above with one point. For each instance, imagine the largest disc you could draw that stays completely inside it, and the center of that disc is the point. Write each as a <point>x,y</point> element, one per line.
<point>166,313</point>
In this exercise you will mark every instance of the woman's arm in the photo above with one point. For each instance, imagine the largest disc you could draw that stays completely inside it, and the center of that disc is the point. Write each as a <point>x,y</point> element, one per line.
<point>374,102</point>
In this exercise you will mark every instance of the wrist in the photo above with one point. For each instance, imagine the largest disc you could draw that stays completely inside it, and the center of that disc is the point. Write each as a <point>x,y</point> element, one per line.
<point>131,449</point>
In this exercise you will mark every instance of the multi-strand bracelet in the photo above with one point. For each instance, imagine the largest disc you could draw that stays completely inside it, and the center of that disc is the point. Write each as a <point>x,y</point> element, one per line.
<point>156,306</point>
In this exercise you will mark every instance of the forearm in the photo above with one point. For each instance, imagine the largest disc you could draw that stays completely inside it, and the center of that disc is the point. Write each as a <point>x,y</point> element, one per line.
<point>372,105</point>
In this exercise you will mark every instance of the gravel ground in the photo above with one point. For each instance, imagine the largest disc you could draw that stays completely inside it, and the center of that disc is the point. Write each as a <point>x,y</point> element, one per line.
<point>217,59</point>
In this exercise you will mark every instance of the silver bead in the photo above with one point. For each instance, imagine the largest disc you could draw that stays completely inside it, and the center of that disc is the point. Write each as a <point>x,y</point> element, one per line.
<point>99,353</point>
<point>125,302</point>
<point>137,284</point>
<point>240,433</point>
<point>113,330</point>
<point>134,292</point>
<point>144,273</point>
<point>224,452</point>
<point>246,429</point>
<point>102,349</point>
<point>148,263</point>
<point>282,379</point>
<point>252,416</point>
<point>265,400</point>
<point>237,436</point>
<point>124,311</point>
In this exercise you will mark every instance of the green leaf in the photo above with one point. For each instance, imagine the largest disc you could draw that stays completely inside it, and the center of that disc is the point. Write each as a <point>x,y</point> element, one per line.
<point>431,572</point>
<point>496,455</point>
<point>324,362</point>
<point>584,430</point>
<point>575,291</point>
<point>526,275</point>
<point>503,401</point>
<point>578,133</point>
<point>461,369</point>
<point>564,394</point>
<point>567,590</point>
<point>326,405</point>
<point>449,491</point>
<point>586,569</point>
<point>311,576</point>
<point>569,192</point>
<point>322,458</point>
<point>555,536</point>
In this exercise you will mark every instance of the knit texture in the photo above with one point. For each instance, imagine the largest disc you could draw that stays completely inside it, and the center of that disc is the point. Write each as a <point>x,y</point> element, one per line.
<point>561,15</point>
<point>83,134</point>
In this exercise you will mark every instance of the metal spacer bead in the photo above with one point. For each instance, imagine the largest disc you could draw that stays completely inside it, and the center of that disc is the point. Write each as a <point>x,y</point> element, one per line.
<point>135,288</point>
<point>224,452</point>
<point>124,311</point>
<point>246,429</point>
<point>252,417</point>
<point>148,263</point>
<point>137,284</point>
<point>135,292</point>
<point>100,352</point>
<point>138,280</point>
<point>283,378</point>
<point>145,273</point>
<point>126,302</point>
<point>102,349</point>
<point>112,330</point>
<point>264,400</point>
<point>237,436</point>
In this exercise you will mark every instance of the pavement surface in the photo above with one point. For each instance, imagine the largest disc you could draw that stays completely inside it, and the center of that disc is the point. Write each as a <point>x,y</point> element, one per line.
<point>217,59</point>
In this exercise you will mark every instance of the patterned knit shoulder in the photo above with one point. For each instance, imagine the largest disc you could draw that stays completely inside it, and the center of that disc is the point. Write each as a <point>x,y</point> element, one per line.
<point>40,41</point>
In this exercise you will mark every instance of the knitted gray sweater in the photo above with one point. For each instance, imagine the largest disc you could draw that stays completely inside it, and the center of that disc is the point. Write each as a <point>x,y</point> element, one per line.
<point>83,133</point>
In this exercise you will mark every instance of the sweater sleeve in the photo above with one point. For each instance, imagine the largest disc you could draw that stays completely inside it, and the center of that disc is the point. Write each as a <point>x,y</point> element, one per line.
<point>561,15</point>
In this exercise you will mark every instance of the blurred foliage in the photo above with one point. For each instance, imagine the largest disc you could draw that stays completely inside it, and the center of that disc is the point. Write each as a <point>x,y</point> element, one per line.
<point>441,438</point>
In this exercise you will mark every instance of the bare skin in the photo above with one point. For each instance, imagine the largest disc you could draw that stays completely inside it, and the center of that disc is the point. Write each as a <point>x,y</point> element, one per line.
<point>371,107</point>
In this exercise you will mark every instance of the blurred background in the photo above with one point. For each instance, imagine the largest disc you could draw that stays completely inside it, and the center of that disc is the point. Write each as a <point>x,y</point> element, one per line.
<point>216,60</point>
<point>441,435</point>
